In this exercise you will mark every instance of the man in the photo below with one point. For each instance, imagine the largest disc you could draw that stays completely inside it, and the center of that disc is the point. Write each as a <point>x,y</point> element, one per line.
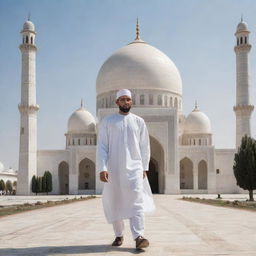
<point>123,154</point>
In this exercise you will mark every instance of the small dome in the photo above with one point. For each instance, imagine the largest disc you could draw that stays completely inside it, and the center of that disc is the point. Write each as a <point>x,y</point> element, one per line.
<point>81,121</point>
<point>29,25</point>
<point>139,65</point>
<point>1,167</point>
<point>242,26</point>
<point>197,122</point>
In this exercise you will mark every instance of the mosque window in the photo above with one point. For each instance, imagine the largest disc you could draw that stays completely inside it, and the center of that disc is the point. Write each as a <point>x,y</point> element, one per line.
<point>237,41</point>
<point>26,39</point>
<point>199,141</point>
<point>150,99</point>
<point>218,171</point>
<point>142,101</point>
<point>78,141</point>
<point>171,103</point>
<point>166,100</point>
<point>22,130</point>
<point>86,185</point>
<point>241,40</point>
<point>31,40</point>
<point>245,40</point>
<point>175,103</point>
<point>159,100</point>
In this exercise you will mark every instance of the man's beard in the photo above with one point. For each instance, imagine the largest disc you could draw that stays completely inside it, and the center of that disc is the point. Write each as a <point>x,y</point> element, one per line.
<point>124,109</point>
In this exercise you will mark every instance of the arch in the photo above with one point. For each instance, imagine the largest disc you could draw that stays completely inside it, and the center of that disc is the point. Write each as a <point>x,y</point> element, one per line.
<point>142,99</point>
<point>186,174</point>
<point>63,175</point>
<point>86,179</point>
<point>202,175</point>
<point>159,100</point>
<point>237,41</point>
<point>153,176</point>
<point>245,40</point>
<point>241,40</point>
<point>31,40</point>
<point>176,103</point>
<point>26,39</point>
<point>150,99</point>
<point>156,166</point>
<point>166,100</point>
<point>171,102</point>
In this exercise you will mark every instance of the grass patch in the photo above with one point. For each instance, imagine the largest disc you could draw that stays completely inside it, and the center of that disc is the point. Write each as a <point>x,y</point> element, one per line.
<point>246,205</point>
<point>8,210</point>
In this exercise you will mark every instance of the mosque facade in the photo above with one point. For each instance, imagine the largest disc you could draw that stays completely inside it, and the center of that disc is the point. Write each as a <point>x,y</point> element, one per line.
<point>183,157</point>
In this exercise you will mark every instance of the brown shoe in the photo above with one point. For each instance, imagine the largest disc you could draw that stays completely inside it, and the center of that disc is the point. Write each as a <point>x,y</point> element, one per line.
<point>118,241</point>
<point>141,242</point>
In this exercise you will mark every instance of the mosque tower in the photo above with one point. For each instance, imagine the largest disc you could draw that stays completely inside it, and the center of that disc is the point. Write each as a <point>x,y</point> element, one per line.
<point>243,108</point>
<point>28,111</point>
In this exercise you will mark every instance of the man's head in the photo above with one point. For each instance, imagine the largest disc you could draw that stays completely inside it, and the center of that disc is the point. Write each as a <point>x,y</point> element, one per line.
<point>124,100</point>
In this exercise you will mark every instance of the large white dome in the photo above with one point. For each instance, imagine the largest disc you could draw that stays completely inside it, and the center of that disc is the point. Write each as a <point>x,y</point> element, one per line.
<point>197,123</point>
<point>81,121</point>
<point>139,65</point>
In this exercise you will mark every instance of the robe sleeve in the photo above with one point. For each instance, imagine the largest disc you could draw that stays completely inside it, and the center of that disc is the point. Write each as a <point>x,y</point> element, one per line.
<point>102,147</point>
<point>144,146</point>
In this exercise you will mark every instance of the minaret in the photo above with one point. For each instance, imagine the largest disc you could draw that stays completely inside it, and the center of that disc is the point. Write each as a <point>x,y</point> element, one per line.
<point>28,111</point>
<point>243,108</point>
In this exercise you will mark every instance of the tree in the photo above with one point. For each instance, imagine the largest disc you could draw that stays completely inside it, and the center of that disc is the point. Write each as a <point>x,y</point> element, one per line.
<point>9,186</point>
<point>40,184</point>
<point>44,184</point>
<point>35,184</point>
<point>48,181</point>
<point>245,165</point>
<point>2,185</point>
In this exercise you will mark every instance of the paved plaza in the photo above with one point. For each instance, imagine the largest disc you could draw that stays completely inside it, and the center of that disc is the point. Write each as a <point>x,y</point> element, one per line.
<point>177,228</point>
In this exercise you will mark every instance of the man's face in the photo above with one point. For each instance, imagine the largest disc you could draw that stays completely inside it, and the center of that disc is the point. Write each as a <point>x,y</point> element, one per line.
<point>124,103</point>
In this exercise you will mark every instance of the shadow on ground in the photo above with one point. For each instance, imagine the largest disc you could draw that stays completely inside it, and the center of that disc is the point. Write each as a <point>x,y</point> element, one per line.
<point>54,250</point>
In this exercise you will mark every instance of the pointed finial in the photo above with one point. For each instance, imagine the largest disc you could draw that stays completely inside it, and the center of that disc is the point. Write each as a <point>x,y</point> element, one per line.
<point>29,16</point>
<point>137,30</point>
<point>82,103</point>
<point>242,18</point>
<point>196,106</point>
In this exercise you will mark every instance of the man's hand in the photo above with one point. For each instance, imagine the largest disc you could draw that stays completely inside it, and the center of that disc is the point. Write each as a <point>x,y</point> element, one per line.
<point>104,176</point>
<point>144,174</point>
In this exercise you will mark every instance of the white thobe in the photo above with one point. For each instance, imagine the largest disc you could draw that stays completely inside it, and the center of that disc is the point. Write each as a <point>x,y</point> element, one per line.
<point>123,150</point>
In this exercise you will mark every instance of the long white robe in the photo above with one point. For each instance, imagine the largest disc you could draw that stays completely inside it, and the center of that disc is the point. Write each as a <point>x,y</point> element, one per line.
<point>123,150</point>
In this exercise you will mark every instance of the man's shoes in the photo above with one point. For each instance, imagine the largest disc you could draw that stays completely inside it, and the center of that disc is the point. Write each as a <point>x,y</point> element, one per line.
<point>141,242</point>
<point>118,241</point>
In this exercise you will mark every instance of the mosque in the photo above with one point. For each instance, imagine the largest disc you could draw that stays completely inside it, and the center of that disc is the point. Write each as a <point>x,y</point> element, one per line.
<point>183,157</point>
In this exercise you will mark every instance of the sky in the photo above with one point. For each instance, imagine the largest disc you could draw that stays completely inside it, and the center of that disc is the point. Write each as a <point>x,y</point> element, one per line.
<point>75,37</point>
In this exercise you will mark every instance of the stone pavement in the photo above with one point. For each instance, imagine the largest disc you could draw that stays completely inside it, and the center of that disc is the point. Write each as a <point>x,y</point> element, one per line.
<point>177,228</point>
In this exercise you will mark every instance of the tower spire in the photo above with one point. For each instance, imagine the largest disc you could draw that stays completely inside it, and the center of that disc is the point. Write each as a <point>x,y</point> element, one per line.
<point>29,14</point>
<point>243,108</point>
<point>82,103</point>
<point>137,30</point>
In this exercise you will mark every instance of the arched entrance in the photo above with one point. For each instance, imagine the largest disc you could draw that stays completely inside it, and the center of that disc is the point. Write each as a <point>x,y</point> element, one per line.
<point>186,174</point>
<point>63,174</point>
<point>156,167</point>
<point>86,180</point>
<point>202,175</point>
<point>153,176</point>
